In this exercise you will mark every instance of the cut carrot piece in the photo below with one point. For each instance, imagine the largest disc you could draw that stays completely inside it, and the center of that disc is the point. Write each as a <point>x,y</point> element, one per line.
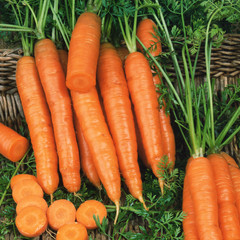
<point>32,201</point>
<point>31,221</point>
<point>21,177</point>
<point>72,231</point>
<point>87,210</point>
<point>26,188</point>
<point>61,212</point>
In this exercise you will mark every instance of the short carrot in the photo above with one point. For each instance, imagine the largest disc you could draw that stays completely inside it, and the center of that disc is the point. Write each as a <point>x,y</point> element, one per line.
<point>87,210</point>
<point>61,212</point>
<point>95,130</point>
<point>13,146</point>
<point>59,102</point>
<point>17,178</point>
<point>39,123</point>
<point>31,221</point>
<point>83,53</point>
<point>117,105</point>
<point>63,56</point>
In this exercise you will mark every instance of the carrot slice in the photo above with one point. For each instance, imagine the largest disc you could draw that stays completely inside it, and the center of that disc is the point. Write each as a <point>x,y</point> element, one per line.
<point>87,210</point>
<point>72,231</point>
<point>21,177</point>
<point>31,221</point>
<point>26,188</point>
<point>32,201</point>
<point>61,212</point>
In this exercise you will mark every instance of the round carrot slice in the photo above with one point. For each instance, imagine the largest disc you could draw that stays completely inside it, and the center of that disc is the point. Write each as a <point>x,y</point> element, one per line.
<point>20,177</point>
<point>87,210</point>
<point>31,221</point>
<point>72,231</point>
<point>24,188</point>
<point>60,213</point>
<point>32,201</point>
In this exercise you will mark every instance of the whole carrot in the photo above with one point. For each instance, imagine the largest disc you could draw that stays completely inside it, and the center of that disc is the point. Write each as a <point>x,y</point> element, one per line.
<point>39,123</point>
<point>12,146</point>
<point>59,102</point>
<point>117,105</point>
<point>83,53</point>
<point>95,130</point>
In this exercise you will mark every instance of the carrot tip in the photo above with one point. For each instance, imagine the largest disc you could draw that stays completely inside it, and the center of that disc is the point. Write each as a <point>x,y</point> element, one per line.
<point>142,201</point>
<point>99,187</point>
<point>161,184</point>
<point>51,198</point>
<point>117,211</point>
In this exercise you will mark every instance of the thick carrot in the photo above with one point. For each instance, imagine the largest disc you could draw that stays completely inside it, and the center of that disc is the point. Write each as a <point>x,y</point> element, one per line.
<point>13,146</point>
<point>229,160</point>
<point>39,123</point>
<point>87,210</point>
<point>202,188</point>
<point>95,130</point>
<point>143,96</point>
<point>117,105</point>
<point>15,179</point>
<point>63,56</point>
<point>61,212</point>
<point>228,213</point>
<point>83,53</point>
<point>31,221</point>
<point>32,200</point>
<point>87,163</point>
<point>59,102</point>
<point>26,188</point>
<point>72,231</point>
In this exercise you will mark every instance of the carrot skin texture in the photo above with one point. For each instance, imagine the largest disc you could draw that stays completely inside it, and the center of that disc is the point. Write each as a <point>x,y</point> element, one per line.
<point>95,130</point>
<point>117,105</point>
<point>229,159</point>
<point>59,102</point>
<point>13,146</point>
<point>83,53</point>
<point>39,124</point>
<point>204,195</point>
<point>63,56</point>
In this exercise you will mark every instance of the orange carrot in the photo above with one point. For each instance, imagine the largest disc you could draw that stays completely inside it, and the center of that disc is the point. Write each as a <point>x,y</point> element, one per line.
<point>13,146</point>
<point>95,130</point>
<point>87,210</point>
<point>58,99</point>
<point>229,160</point>
<point>31,221</point>
<point>117,105</point>
<point>202,188</point>
<point>122,53</point>
<point>26,188</point>
<point>63,56</point>
<point>31,200</point>
<point>72,231</point>
<point>39,124</point>
<point>83,53</point>
<point>87,163</point>
<point>17,178</point>
<point>61,212</point>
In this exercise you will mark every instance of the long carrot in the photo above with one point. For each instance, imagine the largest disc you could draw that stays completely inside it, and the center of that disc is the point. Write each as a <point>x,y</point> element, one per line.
<point>39,123</point>
<point>117,105</point>
<point>83,53</point>
<point>95,130</point>
<point>53,81</point>
<point>13,146</point>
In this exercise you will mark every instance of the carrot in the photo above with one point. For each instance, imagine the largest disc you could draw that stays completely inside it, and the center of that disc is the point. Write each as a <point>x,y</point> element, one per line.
<point>87,210</point>
<point>63,57</point>
<point>61,212</point>
<point>58,99</point>
<point>204,196</point>
<point>228,214</point>
<point>39,123</point>
<point>24,188</point>
<point>95,130</point>
<point>13,146</point>
<point>32,200</point>
<point>31,221</point>
<point>17,178</point>
<point>122,53</point>
<point>83,53</point>
<point>143,96</point>
<point>117,105</point>
<point>87,163</point>
<point>72,231</point>
<point>229,159</point>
